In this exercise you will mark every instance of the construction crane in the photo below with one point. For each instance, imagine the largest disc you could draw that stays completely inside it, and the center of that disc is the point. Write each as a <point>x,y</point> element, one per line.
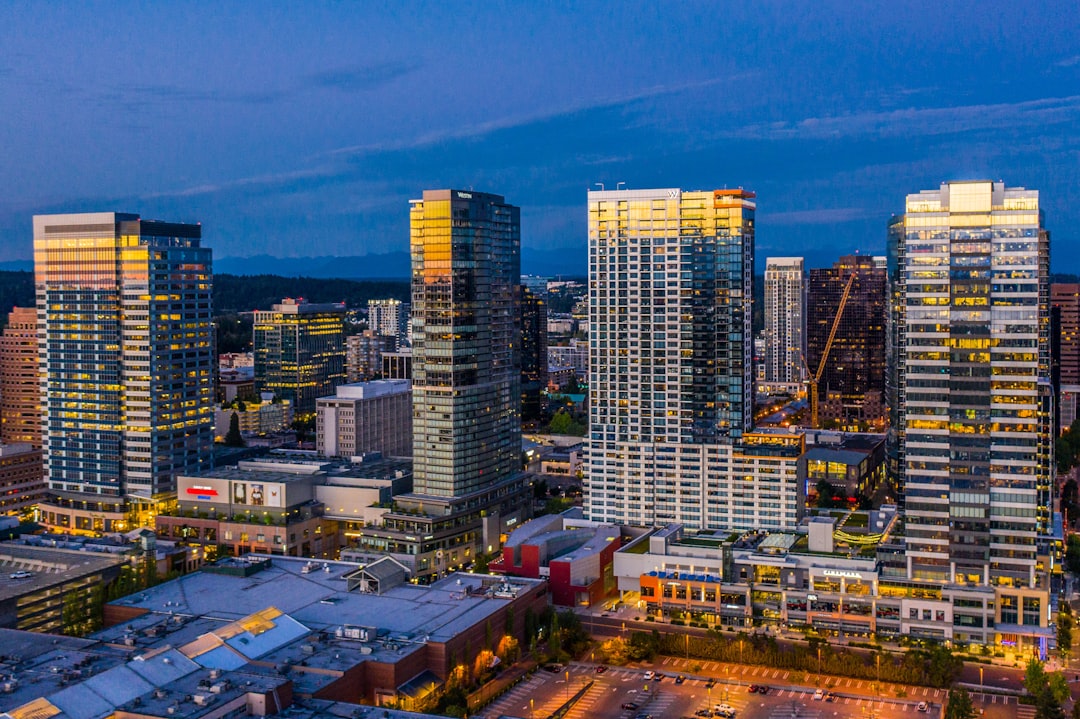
<point>815,379</point>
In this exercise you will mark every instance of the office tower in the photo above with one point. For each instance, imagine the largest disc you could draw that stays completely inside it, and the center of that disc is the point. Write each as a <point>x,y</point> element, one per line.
<point>534,353</point>
<point>300,351</point>
<point>969,392</point>
<point>366,417</point>
<point>851,389</point>
<point>363,356</point>
<point>126,364</point>
<point>670,285</point>
<point>20,393</point>
<point>466,265</point>
<point>1066,297</point>
<point>785,319</point>
<point>390,318</point>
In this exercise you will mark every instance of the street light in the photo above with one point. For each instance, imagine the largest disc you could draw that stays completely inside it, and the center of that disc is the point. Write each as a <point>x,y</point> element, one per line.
<point>567,685</point>
<point>980,677</point>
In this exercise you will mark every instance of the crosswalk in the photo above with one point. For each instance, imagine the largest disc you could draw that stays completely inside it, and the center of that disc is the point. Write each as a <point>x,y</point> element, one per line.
<point>992,698</point>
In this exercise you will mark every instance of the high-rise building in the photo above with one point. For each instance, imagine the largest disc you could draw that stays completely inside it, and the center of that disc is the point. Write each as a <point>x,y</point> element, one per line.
<point>1066,297</point>
<point>126,365</point>
<point>390,318</point>
<point>20,392</point>
<point>534,353</point>
<point>300,351</point>
<point>851,389</point>
<point>970,397</point>
<point>366,417</point>
<point>670,385</point>
<point>785,319</point>
<point>363,356</point>
<point>466,265</point>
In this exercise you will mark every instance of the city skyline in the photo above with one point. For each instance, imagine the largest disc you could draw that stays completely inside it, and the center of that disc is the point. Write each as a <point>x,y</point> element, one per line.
<point>311,152</point>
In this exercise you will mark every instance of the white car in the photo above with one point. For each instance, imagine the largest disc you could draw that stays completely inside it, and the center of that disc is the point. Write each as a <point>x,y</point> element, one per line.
<point>923,707</point>
<point>20,575</point>
<point>649,676</point>
<point>819,695</point>
<point>724,710</point>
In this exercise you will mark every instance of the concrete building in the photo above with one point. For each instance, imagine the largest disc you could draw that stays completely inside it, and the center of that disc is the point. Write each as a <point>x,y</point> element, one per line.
<point>35,580</point>
<point>1066,297</point>
<point>576,556</point>
<point>345,631</point>
<point>851,391</point>
<point>284,504</point>
<point>852,463</point>
<point>575,355</point>
<point>20,390</point>
<point>973,452</point>
<point>22,479</point>
<point>126,365</point>
<point>366,417</point>
<point>363,357</point>
<point>785,319</point>
<point>235,383</point>
<point>259,416</point>
<point>670,371</point>
<point>300,351</point>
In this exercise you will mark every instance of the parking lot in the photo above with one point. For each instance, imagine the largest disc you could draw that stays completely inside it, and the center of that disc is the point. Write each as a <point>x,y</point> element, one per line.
<point>617,688</point>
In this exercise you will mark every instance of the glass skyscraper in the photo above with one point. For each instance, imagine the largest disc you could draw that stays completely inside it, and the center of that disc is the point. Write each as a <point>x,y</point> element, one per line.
<point>126,365</point>
<point>300,351</point>
<point>466,265</point>
<point>670,370</point>
<point>969,389</point>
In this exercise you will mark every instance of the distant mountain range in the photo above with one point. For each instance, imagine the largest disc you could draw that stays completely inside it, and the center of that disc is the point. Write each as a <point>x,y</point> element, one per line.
<point>570,262</point>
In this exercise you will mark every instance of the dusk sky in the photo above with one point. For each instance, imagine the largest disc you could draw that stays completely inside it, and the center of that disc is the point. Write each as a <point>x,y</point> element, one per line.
<point>300,129</point>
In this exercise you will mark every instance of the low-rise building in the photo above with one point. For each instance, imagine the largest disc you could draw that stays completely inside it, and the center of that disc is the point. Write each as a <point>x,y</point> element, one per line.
<point>366,417</point>
<point>266,415</point>
<point>575,555</point>
<point>34,582</point>
<point>841,573</point>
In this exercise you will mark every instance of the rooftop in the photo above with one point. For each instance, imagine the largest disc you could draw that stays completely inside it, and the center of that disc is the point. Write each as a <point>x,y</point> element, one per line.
<point>47,566</point>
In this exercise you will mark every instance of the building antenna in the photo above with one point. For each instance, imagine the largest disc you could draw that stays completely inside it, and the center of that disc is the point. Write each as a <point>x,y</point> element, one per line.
<point>600,184</point>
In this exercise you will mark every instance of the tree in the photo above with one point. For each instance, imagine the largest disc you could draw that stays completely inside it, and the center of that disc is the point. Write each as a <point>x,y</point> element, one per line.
<point>1059,687</point>
<point>1076,711</point>
<point>1047,706</point>
<point>233,438</point>
<point>960,705</point>
<point>1064,630</point>
<point>1035,677</point>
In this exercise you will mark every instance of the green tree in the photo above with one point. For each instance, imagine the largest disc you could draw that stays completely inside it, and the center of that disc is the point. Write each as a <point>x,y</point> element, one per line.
<point>1047,706</point>
<point>1059,687</point>
<point>1064,630</point>
<point>960,705</point>
<point>233,438</point>
<point>563,423</point>
<point>1034,677</point>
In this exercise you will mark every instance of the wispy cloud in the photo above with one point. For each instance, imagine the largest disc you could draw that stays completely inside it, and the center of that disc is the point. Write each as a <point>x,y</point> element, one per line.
<point>352,79</point>
<point>477,130</point>
<point>1068,61</point>
<point>917,121</point>
<point>816,217</point>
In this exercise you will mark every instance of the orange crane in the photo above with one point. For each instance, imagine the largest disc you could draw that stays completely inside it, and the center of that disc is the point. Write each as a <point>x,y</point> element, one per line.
<point>814,379</point>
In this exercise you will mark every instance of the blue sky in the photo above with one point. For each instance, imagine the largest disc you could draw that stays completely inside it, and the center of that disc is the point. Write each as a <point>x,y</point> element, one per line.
<point>299,129</point>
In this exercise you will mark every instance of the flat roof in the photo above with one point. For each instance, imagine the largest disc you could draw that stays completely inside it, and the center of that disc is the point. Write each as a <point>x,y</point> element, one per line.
<point>48,566</point>
<point>318,598</point>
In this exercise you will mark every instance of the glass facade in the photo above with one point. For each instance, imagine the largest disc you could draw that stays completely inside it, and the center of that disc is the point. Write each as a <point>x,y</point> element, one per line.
<point>466,265</point>
<point>125,352</point>
<point>670,282</point>
<point>300,351</point>
<point>970,382</point>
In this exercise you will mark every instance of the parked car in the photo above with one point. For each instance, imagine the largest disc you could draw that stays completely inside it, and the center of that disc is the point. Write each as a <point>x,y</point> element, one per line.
<point>680,679</point>
<point>553,668</point>
<point>629,705</point>
<point>650,675</point>
<point>818,695</point>
<point>762,689</point>
<point>601,669</point>
<point>724,710</point>
<point>923,707</point>
<point>753,689</point>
